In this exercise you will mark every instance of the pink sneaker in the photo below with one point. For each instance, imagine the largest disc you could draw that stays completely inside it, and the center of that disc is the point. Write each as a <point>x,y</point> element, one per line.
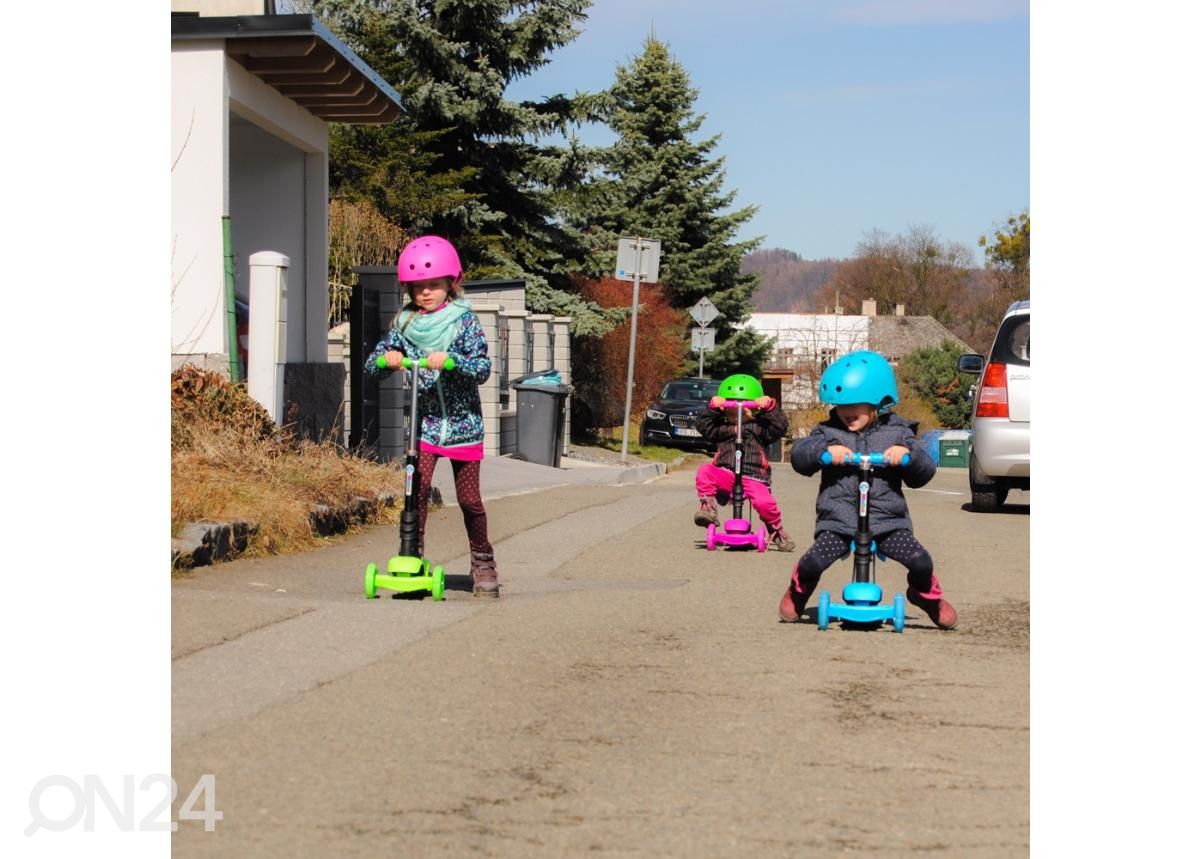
<point>794,599</point>
<point>939,610</point>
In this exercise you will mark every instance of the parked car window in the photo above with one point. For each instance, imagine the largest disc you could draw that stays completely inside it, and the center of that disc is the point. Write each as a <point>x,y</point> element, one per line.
<point>1012,342</point>
<point>700,392</point>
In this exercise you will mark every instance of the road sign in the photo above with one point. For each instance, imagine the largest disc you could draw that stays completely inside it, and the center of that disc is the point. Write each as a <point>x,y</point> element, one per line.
<point>704,312</point>
<point>637,260</point>
<point>703,339</point>
<point>630,263</point>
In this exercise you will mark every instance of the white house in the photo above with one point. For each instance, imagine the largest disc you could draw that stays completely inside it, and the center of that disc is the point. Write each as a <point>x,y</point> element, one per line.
<point>252,96</point>
<point>806,343</point>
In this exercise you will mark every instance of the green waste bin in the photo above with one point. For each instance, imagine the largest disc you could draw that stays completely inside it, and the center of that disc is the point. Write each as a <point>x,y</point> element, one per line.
<point>954,449</point>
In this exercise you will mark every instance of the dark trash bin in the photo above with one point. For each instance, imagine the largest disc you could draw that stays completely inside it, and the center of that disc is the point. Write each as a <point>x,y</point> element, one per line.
<point>541,417</point>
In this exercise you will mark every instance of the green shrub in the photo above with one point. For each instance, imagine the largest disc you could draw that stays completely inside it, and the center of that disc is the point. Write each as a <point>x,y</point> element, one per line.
<point>932,374</point>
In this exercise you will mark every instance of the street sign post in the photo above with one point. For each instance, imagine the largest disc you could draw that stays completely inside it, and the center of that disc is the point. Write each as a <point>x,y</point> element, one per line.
<point>704,312</point>
<point>637,260</point>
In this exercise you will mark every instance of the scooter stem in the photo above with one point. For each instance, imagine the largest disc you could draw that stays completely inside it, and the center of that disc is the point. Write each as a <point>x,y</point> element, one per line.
<point>739,493</point>
<point>410,526</point>
<point>863,556</point>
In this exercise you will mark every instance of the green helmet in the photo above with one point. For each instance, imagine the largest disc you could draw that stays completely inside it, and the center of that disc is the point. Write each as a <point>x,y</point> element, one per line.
<point>739,386</point>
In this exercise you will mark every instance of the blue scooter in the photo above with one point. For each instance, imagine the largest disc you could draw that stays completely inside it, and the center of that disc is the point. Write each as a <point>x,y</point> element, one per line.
<point>862,596</point>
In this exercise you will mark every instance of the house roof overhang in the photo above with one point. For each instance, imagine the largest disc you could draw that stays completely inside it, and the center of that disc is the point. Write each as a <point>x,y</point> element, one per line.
<point>303,60</point>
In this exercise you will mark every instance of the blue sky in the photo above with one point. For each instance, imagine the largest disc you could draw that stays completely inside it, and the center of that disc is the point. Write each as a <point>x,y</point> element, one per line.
<point>837,118</point>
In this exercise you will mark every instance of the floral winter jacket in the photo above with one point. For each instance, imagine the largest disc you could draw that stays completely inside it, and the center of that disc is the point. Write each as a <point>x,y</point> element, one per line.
<point>837,499</point>
<point>757,435</point>
<point>451,412</point>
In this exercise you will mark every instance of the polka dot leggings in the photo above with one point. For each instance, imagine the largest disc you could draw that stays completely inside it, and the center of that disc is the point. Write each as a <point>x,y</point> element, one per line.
<point>901,546</point>
<point>470,501</point>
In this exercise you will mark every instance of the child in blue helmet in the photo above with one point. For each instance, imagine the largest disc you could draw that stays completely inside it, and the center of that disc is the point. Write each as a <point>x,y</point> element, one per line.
<point>862,390</point>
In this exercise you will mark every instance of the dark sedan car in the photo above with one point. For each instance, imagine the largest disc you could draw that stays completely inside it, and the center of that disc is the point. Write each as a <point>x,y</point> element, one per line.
<point>671,418</point>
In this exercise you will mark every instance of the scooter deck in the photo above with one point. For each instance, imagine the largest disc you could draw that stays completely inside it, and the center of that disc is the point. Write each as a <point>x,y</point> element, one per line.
<point>861,613</point>
<point>406,575</point>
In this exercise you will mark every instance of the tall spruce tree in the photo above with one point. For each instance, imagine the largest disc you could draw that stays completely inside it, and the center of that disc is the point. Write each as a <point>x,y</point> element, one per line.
<point>492,177</point>
<point>656,182</point>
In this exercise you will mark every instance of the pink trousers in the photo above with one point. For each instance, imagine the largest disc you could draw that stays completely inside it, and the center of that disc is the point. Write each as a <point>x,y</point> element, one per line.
<point>711,481</point>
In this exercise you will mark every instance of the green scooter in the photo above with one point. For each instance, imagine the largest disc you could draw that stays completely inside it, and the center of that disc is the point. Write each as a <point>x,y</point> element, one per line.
<point>408,572</point>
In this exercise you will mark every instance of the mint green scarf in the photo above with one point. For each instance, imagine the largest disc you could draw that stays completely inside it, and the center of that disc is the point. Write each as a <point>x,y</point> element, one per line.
<point>433,332</point>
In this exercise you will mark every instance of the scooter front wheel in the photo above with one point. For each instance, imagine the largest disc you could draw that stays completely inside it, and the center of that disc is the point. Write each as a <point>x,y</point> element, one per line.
<point>898,615</point>
<point>761,544</point>
<point>439,583</point>
<point>369,581</point>
<point>711,542</point>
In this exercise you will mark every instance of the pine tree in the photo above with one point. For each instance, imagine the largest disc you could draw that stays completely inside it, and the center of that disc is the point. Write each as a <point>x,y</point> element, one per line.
<point>490,181</point>
<point>656,182</point>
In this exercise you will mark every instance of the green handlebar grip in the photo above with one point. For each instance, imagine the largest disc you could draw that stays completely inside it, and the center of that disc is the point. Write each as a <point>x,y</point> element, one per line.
<point>381,363</point>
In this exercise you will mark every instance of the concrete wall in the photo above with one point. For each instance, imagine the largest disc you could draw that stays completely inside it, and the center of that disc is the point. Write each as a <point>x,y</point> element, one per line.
<point>199,199</point>
<point>266,210</point>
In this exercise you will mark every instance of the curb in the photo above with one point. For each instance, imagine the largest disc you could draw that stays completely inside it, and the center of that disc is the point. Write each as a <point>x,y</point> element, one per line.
<point>642,473</point>
<point>200,544</point>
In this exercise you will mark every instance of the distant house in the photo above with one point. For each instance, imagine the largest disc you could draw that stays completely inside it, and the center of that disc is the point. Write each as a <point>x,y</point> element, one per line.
<point>804,344</point>
<point>252,96</point>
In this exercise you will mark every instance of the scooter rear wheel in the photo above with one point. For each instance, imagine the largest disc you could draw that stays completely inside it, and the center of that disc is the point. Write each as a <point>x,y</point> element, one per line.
<point>369,581</point>
<point>439,583</point>
<point>761,544</point>
<point>898,617</point>
<point>823,610</point>
<point>711,542</point>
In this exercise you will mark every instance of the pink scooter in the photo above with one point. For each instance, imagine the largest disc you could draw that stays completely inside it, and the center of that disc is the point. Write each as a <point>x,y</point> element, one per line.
<point>736,531</point>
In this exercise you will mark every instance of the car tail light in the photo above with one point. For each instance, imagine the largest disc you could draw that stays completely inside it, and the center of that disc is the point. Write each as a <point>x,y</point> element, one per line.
<point>993,392</point>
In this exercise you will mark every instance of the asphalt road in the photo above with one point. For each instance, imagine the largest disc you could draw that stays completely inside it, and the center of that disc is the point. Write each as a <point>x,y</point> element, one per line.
<point>631,694</point>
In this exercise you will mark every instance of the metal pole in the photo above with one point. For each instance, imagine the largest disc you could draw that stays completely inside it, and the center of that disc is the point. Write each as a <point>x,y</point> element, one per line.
<point>702,330</point>
<point>637,280</point>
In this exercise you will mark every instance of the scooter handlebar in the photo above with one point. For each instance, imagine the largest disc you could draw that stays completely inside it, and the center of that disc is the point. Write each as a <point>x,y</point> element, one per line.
<point>406,363</point>
<point>855,458</point>
<point>733,404</point>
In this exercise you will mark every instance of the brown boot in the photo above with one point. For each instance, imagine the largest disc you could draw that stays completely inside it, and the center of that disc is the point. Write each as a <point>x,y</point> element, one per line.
<point>780,539</point>
<point>484,581</point>
<point>707,514</point>
<point>937,607</point>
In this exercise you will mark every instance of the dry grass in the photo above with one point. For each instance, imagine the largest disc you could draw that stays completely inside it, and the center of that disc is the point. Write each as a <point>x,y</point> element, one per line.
<point>230,463</point>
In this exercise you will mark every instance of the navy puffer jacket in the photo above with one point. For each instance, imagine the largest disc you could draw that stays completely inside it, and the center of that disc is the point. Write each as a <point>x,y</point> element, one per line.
<point>837,500</point>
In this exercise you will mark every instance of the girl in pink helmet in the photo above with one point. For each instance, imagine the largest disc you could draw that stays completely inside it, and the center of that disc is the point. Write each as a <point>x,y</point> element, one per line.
<point>437,323</point>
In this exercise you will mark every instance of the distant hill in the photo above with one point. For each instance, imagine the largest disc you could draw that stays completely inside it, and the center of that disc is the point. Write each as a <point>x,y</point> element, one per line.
<point>788,283</point>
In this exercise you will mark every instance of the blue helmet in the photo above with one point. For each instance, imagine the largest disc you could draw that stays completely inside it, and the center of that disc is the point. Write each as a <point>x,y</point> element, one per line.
<point>860,377</point>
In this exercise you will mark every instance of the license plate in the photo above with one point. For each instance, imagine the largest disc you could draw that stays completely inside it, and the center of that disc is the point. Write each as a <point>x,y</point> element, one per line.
<point>687,432</point>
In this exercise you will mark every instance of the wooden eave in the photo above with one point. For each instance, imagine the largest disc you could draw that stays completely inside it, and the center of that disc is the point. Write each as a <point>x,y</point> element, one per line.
<point>300,58</point>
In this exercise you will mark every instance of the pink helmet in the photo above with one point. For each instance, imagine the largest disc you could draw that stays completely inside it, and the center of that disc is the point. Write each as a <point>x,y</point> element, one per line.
<point>428,257</point>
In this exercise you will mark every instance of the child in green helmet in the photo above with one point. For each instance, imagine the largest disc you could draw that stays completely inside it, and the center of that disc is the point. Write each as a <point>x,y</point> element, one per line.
<point>861,389</point>
<point>761,427</point>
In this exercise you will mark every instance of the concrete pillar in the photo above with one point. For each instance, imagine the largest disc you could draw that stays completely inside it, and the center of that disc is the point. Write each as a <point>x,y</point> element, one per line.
<point>541,324</point>
<point>489,391</point>
<point>268,330</point>
<point>561,360</point>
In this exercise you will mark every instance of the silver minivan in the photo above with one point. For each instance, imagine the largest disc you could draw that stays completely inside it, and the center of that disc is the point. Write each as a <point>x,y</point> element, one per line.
<point>1000,412</point>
